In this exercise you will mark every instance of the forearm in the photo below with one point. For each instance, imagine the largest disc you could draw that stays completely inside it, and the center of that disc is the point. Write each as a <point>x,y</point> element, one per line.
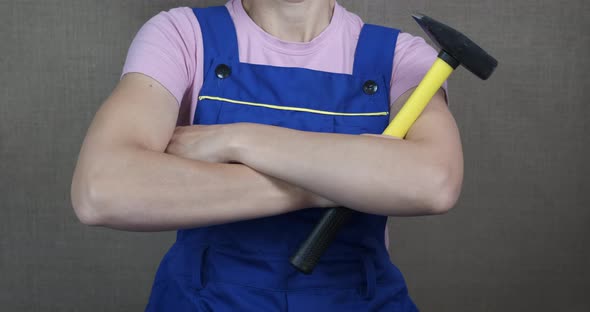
<point>361,172</point>
<point>142,190</point>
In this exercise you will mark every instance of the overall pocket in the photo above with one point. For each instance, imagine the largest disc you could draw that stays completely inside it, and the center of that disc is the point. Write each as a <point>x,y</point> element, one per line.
<point>217,110</point>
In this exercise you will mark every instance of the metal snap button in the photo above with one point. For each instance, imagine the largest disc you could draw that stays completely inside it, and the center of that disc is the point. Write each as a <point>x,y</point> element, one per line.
<point>222,71</point>
<point>370,87</point>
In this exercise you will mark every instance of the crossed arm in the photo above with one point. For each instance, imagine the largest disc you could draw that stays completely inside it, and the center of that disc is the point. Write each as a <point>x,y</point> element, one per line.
<point>137,171</point>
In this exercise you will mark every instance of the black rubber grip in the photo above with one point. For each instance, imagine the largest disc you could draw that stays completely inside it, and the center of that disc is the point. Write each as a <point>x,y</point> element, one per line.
<point>309,253</point>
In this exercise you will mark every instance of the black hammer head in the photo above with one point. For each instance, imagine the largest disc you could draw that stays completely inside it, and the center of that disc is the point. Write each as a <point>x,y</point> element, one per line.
<point>458,46</point>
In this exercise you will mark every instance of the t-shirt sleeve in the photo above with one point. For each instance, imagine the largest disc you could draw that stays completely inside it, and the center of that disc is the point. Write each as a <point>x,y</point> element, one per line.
<point>165,50</point>
<point>413,58</point>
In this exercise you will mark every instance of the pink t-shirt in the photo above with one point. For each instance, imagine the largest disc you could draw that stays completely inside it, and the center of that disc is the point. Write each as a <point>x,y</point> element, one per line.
<point>169,48</point>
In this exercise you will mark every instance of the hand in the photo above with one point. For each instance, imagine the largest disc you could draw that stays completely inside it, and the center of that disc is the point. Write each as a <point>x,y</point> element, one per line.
<point>206,143</point>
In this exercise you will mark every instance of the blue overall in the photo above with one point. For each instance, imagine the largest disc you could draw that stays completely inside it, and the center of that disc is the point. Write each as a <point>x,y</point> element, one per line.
<point>244,266</point>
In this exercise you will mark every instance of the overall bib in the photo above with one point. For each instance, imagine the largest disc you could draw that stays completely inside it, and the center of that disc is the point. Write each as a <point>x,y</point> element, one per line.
<point>244,266</point>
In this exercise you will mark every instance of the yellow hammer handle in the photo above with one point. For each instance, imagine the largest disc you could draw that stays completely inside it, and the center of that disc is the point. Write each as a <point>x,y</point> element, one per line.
<point>434,79</point>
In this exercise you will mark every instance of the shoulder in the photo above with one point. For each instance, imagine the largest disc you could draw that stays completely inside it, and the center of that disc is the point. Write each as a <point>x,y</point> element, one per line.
<point>405,43</point>
<point>409,43</point>
<point>175,31</point>
<point>180,21</point>
<point>175,15</point>
<point>412,53</point>
<point>165,48</point>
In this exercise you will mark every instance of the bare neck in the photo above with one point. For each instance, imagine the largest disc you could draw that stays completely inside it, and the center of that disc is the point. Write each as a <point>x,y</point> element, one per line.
<point>291,20</point>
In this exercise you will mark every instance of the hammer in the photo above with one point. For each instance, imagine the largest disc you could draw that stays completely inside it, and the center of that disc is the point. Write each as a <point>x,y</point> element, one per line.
<point>456,49</point>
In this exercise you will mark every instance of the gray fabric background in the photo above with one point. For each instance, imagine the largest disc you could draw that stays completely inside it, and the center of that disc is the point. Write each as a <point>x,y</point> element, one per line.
<point>518,240</point>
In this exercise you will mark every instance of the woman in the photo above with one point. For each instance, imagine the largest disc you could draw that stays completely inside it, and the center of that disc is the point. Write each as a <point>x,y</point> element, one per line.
<point>286,100</point>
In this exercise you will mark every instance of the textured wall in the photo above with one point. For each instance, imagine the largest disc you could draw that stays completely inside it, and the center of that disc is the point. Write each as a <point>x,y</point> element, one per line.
<point>517,241</point>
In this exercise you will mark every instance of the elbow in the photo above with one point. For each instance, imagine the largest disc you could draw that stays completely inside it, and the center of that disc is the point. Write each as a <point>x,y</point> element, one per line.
<point>85,201</point>
<point>88,216</point>
<point>445,190</point>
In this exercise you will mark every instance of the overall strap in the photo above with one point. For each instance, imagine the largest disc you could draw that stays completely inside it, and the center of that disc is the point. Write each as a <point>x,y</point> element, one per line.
<point>375,51</point>
<point>219,34</point>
